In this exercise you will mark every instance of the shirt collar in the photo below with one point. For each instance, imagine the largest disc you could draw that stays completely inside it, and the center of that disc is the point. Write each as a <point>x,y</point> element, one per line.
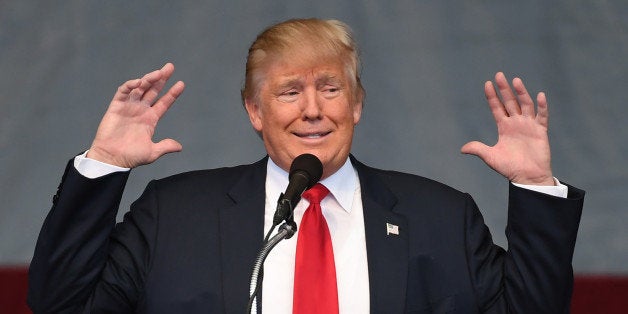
<point>341,185</point>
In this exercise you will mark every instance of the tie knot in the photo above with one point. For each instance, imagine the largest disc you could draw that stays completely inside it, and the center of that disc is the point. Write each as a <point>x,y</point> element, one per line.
<point>316,193</point>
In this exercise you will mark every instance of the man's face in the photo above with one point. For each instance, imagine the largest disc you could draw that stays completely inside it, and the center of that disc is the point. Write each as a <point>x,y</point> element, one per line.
<point>306,108</point>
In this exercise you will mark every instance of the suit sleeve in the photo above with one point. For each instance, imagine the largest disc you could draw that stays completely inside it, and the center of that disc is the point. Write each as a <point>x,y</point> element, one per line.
<point>82,261</point>
<point>535,274</point>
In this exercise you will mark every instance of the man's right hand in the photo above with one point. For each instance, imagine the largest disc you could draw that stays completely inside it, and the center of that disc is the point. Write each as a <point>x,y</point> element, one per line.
<point>125,134</point>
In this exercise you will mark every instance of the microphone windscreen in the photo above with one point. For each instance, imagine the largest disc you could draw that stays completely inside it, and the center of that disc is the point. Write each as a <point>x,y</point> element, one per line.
<point>311,165</point>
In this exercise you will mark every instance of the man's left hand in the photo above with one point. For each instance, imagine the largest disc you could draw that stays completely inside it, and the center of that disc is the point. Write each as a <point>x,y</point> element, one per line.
<point>522,153</point>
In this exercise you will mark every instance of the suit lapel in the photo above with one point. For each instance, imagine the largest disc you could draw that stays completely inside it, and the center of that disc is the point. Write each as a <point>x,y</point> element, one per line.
<point>241,230</point>
<point>386,243</point>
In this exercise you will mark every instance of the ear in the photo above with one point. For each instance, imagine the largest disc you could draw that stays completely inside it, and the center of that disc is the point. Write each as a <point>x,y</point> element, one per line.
<point>357,112</point>
<point>255,113</point>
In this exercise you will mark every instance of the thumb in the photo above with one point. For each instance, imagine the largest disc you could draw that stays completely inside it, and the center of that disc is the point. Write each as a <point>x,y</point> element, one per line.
<point>165,146</point>
<point>475,148</point>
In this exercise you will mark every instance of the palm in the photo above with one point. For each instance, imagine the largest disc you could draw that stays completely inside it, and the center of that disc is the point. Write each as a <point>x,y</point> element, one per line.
<point>522,153</point>
<point>124,137</point>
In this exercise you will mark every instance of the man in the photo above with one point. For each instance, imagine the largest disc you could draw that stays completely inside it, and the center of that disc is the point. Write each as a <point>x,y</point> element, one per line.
<point>401,243</point>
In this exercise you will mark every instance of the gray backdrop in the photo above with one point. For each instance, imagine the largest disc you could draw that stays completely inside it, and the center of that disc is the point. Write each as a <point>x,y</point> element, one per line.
<point>424,65</point>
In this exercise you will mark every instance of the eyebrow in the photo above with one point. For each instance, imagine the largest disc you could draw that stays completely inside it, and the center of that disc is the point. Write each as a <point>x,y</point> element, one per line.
<point>327,78</point>
<point>290,82</point>
<point>322,78</point>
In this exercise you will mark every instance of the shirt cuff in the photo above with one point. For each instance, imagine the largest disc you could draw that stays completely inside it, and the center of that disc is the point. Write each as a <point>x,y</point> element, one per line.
<point>91,168</point>
<point>558,190</point>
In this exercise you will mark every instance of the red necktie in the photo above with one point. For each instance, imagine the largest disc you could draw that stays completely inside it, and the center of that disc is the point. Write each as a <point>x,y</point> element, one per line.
<point>315,289</point>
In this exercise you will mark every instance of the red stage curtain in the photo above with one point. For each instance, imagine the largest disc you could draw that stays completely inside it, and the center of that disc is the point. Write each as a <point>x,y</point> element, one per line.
<point>592,293</point>
<point>13,286</point>
<point>600,294</point>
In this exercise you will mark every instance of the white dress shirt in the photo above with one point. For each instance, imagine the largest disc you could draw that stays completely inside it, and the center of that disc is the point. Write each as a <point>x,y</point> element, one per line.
<point>342,209</point>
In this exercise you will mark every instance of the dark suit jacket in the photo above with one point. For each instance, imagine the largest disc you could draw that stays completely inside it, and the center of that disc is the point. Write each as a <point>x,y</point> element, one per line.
<point>189,242</point>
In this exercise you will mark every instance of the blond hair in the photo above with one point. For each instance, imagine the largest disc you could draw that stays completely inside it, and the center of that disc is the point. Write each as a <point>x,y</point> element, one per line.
<point>315,39</point>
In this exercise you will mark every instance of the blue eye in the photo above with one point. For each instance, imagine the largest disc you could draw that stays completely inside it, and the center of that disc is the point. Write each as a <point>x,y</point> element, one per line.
<point>289,96</point>
<point>331,91</point>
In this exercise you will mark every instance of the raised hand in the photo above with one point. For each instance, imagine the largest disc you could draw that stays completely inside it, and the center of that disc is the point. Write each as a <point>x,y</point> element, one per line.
<point>522,153</point>
<point>125,134</point>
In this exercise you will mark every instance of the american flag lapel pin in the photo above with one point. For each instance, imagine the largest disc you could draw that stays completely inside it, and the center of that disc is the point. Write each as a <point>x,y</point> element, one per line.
<point>392,229</point>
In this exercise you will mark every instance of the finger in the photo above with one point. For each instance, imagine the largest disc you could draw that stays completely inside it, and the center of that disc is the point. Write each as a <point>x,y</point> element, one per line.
<point>125,89</point>
<point>508,97</point>
<point>153,77</point>
<point>542,116</point>
<point>476,148</point>
<point>165,146</point>
<point>163,104</point>
<point>145,83</point>
<point>497,108</point>
<point>164,75</point>
<point>525,101</point>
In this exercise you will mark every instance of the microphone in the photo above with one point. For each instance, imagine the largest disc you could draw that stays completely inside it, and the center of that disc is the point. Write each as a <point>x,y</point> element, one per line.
<point>305,171</point>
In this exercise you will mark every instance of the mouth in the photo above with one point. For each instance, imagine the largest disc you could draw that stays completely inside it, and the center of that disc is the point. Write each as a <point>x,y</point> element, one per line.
<point>311,135</point>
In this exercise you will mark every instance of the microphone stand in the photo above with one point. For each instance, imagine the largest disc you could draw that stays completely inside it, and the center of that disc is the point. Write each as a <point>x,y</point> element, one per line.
<point>286,231</point>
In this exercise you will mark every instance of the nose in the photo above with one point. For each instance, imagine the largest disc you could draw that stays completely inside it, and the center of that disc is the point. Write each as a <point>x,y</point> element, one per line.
<point>311,106</point>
